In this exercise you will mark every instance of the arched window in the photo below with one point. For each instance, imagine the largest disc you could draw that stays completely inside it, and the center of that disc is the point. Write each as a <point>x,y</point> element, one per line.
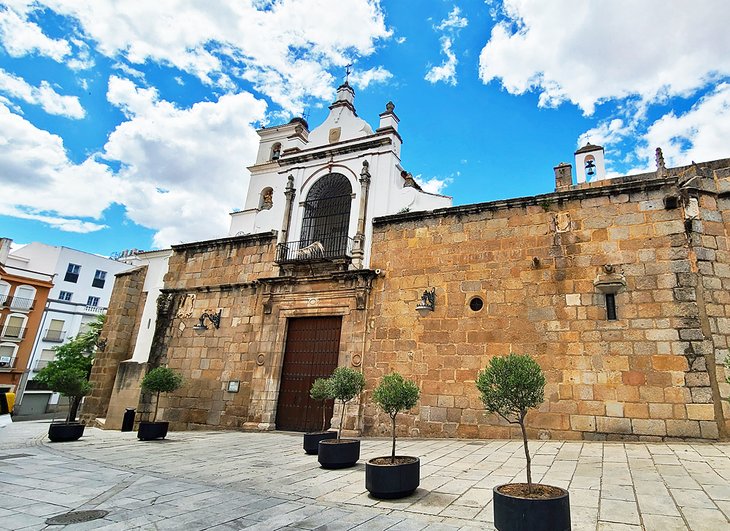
<point>14,327</point>
<point>327,215</point>
<point>7,355</point>
<point>23,298</point>
<point>276,151</point>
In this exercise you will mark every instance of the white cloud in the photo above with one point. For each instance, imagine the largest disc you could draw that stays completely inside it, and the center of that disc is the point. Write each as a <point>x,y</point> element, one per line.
<point>435,185</point>
<point>446,71</point>
<point>449,28</point>
<point>700,134</point>
<point>183,169</point>
<point>21,37</point>
<point>51,101</point>
<point>590,52</point>
<point>453,21</point>
<point>606,133</point>
<point>284,48</point>
<point>40,182</point>
<point>374,75</point>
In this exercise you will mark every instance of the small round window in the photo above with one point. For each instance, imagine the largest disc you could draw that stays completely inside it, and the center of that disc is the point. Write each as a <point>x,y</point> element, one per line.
<point>476,304</point>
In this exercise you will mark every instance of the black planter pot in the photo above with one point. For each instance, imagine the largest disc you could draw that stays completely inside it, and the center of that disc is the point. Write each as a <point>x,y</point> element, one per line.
<point>513,514</point>
<point>149,431</point>
<point>65,431</point>
<point>338,453</point>
<point>311,440</point>
<point>388,481</point>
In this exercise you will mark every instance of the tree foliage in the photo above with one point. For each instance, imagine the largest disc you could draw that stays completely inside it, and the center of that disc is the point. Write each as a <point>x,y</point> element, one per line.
<point>161,380</point>
<point>346,384</point>
<point>509,387</point>
<point>322,391</point>
<point>68,374</point>
<point>395,394</point>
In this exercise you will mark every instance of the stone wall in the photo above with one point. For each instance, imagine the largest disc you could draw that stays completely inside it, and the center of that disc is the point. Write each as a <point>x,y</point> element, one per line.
<point>118,337</point>
<point>208,276</point>
<point>541,266</point>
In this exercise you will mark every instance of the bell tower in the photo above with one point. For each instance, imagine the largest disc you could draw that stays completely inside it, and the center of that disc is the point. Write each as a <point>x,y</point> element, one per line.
<point>590,164</point>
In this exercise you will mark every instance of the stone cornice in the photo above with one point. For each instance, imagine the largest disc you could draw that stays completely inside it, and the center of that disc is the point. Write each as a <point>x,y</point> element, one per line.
<point>338,148</point>
<point>248,239</point>
<point>634,183</point>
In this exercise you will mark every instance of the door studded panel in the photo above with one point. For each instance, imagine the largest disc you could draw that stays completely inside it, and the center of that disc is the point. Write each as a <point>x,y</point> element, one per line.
<point>312,349</point>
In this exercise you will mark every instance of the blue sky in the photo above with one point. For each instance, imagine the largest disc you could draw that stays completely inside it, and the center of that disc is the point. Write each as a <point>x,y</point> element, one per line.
<point>130,124</point>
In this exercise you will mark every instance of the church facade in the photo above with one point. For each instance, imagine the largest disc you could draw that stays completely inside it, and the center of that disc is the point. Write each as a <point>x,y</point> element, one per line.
<point>620,288</point>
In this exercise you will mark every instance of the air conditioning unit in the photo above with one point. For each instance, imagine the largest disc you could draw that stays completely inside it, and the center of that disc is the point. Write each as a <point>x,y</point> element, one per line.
<point>5,361</point>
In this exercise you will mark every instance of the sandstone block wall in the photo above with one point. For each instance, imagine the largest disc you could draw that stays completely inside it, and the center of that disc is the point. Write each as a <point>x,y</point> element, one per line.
<point>118,337</point>
<point>538,264</point>
<point>208,276</point>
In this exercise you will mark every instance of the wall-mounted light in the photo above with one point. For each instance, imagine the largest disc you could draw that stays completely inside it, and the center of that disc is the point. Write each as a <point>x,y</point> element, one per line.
<point>427,302</point>
<point>214,318</point>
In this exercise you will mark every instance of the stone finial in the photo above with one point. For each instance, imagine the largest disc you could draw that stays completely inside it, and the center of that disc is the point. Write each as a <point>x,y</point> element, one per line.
<point>389,107</point>
<point>660,166</point>
<point>365,172</point>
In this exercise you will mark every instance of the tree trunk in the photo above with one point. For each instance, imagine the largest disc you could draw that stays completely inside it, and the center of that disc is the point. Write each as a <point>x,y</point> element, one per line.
<point>157,404</point>
<point>392,455</point>
<point>324,414</point>
<point>342,419</point>
<point>527,453</point>
<point>73,408</point>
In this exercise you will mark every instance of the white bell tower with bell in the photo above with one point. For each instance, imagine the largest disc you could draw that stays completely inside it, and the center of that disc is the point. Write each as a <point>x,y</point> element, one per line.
<point>590,164</point>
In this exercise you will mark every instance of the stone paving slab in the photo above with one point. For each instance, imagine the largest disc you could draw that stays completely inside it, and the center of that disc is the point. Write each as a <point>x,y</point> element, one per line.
<point>234,480</point>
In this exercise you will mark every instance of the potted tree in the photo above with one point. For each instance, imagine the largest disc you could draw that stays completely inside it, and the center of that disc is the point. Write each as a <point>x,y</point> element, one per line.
<point>320,391</point>
<point>68,375</point>
<point>345,385</point>
<point>510,386</point>
<point>394,476</point>
<point>158,380</point>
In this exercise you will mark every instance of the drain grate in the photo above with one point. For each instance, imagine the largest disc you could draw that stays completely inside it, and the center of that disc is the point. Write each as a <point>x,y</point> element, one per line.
<point>76,517</point>
<point>14,456</point>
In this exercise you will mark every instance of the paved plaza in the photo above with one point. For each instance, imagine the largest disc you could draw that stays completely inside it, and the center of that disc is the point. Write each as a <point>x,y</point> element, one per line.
<point>234,480</point>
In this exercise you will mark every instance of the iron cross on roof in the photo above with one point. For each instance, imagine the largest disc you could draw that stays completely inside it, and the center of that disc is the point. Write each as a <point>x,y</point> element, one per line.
<point>347,72</point>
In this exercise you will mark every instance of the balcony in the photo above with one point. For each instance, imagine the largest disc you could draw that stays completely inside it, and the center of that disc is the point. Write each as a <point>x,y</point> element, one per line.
<point>324,249</point>
<point>54,336</point>
<point>14,332</point>
<point>95,309</point>
<point>16,303</point>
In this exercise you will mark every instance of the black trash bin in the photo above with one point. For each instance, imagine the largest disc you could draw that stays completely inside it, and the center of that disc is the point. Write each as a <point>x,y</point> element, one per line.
<point>128,420</point>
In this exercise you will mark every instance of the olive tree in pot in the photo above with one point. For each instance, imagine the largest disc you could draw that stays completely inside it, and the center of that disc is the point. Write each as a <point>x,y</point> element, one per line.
<point>345,384</point>
<point>68,375</point>
<point>510,386</point>
<point>158,380</point>
<point>320,391</point>
<point>394,476</point>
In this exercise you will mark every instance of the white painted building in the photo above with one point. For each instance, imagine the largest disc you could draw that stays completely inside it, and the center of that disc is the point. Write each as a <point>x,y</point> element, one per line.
<point>156,262</point>
<point>82,287</point>
<point>301,177</point>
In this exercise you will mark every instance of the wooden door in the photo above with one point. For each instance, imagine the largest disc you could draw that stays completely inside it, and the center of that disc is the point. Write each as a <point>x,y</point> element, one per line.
<point>312,349</point>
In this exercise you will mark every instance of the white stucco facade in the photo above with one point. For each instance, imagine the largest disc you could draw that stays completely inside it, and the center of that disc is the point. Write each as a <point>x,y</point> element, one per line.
<point>156,262</point>
<point>345,144</point>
